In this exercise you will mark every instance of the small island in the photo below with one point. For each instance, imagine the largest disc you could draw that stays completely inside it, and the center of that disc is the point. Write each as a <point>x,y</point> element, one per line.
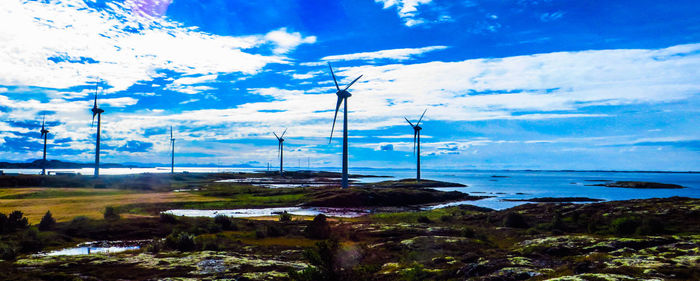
<point>555,199</point>
<point>640,184</point>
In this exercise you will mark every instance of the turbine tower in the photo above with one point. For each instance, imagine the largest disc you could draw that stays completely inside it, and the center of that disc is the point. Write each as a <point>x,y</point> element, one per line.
<point>280,149</point>
<point>97,111</point>
<point>343,95</point>
<point>172,151</point>
<point>44,134</point>
<point>416,140</point>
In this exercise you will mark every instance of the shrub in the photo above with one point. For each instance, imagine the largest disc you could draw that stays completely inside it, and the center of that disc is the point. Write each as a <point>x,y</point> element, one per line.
<point>225,222</point>
<point>29,241</point>
<point>468,233</point>
<point>650,226</point>
<point>260,233</point>
<point>557,222</point>
<point>47,222</point>
<point>319,228</point>
<point>3,223</point>
<point>416,272</point>
<point>423,219</point>
<point>275,231</point>
<point>447,218</point>
<point>285,216</point>
<point>155,246</point>
<point>208,242</point>
<point>323,261</point>
<point>624,225</point>
<point>15,221</point>
<point>168,218</point>
<point>78,226</point>
<point>181,241</point>
<point>7,252</point>
<point>110,213</point>
<point>514,219</point>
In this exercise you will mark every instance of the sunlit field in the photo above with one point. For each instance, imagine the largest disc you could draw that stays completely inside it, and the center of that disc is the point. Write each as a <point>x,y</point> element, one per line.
<point>67,203</point>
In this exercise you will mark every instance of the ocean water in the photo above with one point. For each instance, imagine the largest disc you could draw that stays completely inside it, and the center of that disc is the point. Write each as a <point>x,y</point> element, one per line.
<point>531,184</point>
<point>497,183</point>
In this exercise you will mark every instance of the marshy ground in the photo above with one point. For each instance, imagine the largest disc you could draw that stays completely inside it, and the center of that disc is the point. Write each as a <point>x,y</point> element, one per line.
<point>652,239</point>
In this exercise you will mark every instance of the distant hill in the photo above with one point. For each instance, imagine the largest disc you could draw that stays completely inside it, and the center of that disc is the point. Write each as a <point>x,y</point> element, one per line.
<point>57,164</point>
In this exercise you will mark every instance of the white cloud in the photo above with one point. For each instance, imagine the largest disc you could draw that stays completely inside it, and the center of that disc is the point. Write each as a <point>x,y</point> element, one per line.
<point>119,102</point>
<point>286,41</point>
<point>189,101</point>
<point>406,9</point>
<point>61,44</point>
<point>533,87</point>
<point>394,54</point>
<point>547,17</point>
<point>307,75</point>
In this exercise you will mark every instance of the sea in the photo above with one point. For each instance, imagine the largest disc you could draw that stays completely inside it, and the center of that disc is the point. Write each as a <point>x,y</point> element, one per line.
<point>500,184</point>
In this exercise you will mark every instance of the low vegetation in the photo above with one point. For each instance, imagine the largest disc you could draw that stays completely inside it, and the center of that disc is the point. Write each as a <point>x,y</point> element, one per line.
<point>620,240</point>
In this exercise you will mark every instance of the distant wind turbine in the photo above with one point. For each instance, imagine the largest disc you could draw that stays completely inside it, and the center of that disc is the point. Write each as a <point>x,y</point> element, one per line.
<point>416,140</point>
<point>343,95</point>
<point>172,151</point>
<point>97,111</point>
<point>44,134</point>
<point>280,149</point>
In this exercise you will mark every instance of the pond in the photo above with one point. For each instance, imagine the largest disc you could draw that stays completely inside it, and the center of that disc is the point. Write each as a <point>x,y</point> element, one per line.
<point>97,247</point>
<point>265,212</point>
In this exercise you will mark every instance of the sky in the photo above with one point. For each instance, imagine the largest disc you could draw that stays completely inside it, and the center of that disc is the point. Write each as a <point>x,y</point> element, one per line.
<point>524,84</point>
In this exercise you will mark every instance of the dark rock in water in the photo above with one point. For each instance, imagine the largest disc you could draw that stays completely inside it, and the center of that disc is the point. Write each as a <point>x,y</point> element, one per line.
<point>555,199</point>
<point>412,183</point>
<point>640,184</point>
<point>497,176</point>
<point>379,197</point>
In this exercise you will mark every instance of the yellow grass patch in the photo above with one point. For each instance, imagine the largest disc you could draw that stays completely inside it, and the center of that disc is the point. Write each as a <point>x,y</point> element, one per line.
<point>65,208</point>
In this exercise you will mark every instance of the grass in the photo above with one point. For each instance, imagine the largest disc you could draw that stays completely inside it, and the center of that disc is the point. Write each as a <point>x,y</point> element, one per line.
<point>412,217</point>
<point>67,203</point>
<point>248,237</point>
<point>39,193</point>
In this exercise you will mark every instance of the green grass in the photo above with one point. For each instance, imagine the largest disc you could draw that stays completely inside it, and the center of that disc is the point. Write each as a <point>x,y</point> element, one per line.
<point>411,217</point>
<point>57,193</point>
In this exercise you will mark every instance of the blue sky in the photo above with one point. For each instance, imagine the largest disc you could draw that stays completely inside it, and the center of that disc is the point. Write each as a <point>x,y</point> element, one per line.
<point>507,84</point>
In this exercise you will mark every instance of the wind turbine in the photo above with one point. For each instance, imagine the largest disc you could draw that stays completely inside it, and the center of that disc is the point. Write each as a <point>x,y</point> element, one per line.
<point>416,140</point>
<point>172,151</point>
<point>280,149</point>
<point>97,111</point>
<point>342,95</point>
<point>44,134</point>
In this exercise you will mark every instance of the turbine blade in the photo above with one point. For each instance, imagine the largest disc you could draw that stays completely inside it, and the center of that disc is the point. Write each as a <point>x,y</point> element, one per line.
<point>353,82</point>
<point>171,133</point>
<point>94,105</point>
<point>279,148</point>
<point>278,138</point>
<point>415,134</point>
<point>421,117</point>
<point>337,106</point>
<point>409,122</point>
<point>333,74</point>
<point>285,131</point>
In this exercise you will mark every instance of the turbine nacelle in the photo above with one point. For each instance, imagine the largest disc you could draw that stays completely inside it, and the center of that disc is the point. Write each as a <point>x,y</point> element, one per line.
<point>416,129</point>
<point>44,131</point>
<point>343,94</point>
